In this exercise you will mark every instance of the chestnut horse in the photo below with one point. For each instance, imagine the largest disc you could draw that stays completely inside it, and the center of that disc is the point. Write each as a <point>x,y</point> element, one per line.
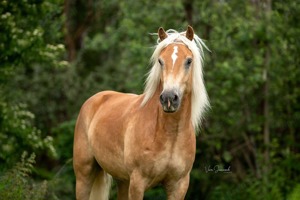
<point>149,139</point>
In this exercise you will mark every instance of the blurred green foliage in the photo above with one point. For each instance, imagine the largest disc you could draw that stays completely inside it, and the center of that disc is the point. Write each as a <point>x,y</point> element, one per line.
<point>251,47</point>
<point>17,134</point>
<point>17,184</point>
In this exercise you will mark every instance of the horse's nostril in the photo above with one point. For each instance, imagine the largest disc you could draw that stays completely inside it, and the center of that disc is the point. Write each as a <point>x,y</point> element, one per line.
<point>161,98</point>
<point>175,99</point>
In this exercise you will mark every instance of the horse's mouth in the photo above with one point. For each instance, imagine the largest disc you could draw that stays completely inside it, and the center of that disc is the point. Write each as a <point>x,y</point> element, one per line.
<point>170,109</point>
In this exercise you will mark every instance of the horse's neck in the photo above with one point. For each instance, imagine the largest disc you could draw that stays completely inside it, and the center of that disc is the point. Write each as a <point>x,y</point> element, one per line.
<point>179,121</point>
<point>173,122</point>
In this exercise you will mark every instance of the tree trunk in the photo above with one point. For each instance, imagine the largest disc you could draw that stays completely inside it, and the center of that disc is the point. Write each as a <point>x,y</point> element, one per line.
<point>266,127</point>
<point>79,15</point>
<point>263,9</point>
<point>188,8</point>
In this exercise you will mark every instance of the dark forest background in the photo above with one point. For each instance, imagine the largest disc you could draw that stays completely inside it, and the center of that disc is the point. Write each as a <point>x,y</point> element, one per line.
<point>55,54</point>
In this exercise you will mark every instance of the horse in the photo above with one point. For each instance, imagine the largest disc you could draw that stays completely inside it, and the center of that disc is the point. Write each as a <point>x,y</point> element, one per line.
<point>144,140</point>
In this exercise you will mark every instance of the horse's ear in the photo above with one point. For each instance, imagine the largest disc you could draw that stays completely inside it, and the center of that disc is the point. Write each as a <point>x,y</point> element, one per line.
<point>162,34</point>
<point>190,33</point>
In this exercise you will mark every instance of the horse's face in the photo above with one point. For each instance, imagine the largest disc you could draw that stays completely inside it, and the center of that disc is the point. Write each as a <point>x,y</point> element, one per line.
<point>176,62</point>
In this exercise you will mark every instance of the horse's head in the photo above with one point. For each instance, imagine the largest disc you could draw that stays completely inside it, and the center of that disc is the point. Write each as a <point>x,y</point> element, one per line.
<point>176,61</point>
<point>177,71</point>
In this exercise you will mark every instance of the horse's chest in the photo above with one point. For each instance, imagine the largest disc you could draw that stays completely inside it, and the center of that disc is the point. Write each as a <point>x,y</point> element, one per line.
<point>180,163</point>
<point>170,162</point>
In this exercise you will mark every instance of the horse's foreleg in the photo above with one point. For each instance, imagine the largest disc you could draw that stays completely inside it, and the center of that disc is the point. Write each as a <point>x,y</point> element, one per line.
<point>176,189</point>
<point>137,186</point>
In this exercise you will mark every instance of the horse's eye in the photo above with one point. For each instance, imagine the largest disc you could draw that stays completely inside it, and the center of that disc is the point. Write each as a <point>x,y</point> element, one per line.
<point>188,63</point>
<point>160,62</point>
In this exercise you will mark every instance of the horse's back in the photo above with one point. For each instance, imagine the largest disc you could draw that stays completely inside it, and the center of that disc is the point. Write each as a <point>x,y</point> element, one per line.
<point>105,102</point>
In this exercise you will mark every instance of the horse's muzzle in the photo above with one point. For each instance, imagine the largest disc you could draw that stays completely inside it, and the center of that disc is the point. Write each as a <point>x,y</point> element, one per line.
<point>170,101</point>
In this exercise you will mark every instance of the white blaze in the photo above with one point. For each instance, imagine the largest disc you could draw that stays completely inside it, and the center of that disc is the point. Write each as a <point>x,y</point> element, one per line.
<point>174,55</point>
